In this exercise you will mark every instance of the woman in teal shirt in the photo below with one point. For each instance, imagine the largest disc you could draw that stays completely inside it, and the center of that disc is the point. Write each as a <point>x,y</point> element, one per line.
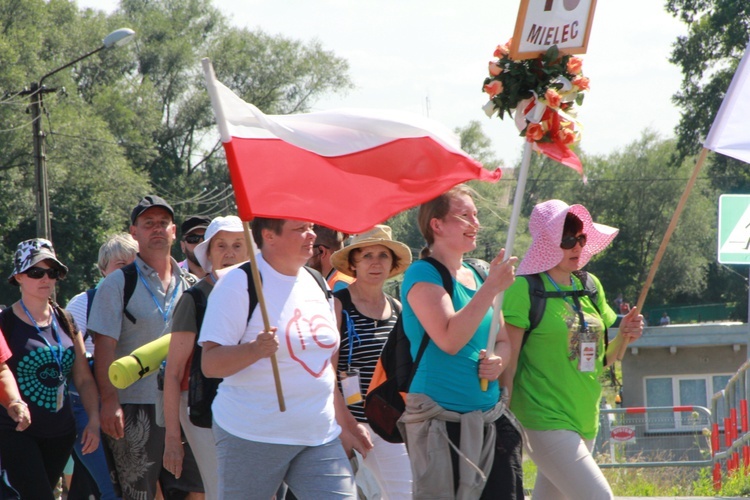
<point>445,401</point>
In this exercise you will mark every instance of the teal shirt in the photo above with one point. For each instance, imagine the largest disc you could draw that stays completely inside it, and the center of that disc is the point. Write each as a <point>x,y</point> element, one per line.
<point>452,381</point>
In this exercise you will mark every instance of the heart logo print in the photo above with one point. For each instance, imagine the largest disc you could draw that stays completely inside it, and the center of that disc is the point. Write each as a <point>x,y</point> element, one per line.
<point>312,351</point>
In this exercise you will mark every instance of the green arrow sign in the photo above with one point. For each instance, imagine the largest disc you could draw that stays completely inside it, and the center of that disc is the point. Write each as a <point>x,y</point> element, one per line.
<point>734,229</point>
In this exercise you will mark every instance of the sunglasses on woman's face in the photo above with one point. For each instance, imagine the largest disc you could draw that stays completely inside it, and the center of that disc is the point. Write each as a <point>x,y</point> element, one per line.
<point>37,273</point>
<point>569,242</point>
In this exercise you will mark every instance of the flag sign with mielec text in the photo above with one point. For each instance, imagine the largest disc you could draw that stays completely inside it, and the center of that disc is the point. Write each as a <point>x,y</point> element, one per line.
<point>734,229</point>
<point>544,23</point>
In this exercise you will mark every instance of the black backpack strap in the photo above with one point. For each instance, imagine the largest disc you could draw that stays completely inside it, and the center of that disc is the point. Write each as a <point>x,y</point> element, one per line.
<point>89,302</point>
<point>200,300</point>
<point>321,281</point>
<point>395,305</point>
<point>345,298</point>
<point>538,299</point>
<point>131,280</point>
<point>250,289</point>
<point>448,285</point>
<point>444,274</point>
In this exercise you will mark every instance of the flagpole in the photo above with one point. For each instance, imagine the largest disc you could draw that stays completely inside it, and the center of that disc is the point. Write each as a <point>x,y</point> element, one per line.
<point>665,240</point>
<point>210,76</point>
<point>264,312</point>
<point>497,304</point>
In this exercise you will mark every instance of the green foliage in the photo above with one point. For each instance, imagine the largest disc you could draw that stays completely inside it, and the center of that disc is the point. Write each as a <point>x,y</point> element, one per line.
<point>636,189</point>
<point>708,56</point>
<point>132,120</point>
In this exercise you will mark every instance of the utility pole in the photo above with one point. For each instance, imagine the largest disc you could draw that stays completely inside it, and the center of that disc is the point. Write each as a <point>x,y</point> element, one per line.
<point>36,93</point>
<point>43,224</point>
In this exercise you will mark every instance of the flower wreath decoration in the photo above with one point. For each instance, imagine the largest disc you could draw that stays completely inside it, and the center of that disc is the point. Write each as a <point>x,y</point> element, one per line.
<point>544,94</point>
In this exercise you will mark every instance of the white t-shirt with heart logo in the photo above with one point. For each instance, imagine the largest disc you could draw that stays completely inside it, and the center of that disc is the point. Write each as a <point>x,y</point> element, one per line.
<point>246,404</point>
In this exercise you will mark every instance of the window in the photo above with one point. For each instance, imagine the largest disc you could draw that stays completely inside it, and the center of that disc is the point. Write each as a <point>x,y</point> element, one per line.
<point>685,390</point>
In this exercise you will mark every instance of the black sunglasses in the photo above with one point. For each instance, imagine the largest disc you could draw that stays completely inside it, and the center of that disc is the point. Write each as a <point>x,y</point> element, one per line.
<point>569,242</point>
<point>37,273</point>
<point>193,238</point>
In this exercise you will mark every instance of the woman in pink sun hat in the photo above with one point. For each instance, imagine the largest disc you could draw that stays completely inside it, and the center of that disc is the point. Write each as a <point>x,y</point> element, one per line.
<point>554,367</point>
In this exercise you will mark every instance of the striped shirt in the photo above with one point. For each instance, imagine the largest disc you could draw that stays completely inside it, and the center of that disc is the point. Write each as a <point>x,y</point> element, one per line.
<point>361,350</point>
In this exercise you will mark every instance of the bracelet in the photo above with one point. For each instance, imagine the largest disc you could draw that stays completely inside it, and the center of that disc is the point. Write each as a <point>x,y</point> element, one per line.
<point>18,401</point>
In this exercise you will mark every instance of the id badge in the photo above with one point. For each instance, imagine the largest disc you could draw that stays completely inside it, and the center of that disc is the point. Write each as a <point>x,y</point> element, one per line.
<point>350,386</point>
<point>587,358</point>
<point>60,397</point>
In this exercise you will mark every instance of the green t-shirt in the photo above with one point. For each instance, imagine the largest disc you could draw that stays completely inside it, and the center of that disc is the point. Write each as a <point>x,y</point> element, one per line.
<point>550,390</point>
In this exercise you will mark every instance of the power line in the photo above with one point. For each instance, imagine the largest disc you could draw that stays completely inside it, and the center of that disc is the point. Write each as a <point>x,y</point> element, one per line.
<point>25,125</point>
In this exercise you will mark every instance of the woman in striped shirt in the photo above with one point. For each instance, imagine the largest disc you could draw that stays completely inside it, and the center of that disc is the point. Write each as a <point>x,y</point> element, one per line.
<point>366,316</point>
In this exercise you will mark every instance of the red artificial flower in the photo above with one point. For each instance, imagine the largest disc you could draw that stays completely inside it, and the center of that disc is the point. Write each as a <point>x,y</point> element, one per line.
<point>534,132</point>
<point>493,88</point>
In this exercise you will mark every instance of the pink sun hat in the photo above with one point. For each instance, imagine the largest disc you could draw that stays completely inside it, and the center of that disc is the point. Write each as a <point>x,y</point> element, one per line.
<point>546,227</point>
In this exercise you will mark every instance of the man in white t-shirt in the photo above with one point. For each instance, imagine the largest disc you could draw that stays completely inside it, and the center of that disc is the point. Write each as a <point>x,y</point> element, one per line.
<point>299,446</point>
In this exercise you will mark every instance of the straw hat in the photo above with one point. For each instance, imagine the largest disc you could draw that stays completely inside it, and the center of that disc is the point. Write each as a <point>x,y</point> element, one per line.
<point>378,235</point>
<point>546,227</point>
<point>230,223</point>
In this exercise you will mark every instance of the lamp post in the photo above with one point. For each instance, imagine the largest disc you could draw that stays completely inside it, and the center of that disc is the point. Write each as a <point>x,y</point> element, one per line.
<point>36,93</point>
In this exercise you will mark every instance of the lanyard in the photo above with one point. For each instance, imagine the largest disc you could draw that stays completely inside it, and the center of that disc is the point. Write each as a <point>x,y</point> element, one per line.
<point>574,301</point>
<point>58,355</point>
<point>353,337</point>
<point>164,313</point>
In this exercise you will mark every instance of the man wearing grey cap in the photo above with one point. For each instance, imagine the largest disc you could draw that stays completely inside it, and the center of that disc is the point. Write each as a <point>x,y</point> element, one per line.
<point>132,308</point>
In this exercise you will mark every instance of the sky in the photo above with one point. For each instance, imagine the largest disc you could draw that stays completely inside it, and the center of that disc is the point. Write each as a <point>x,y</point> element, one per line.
<point>430,57</point>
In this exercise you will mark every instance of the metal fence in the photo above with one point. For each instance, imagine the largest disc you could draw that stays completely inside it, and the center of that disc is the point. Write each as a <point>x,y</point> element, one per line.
<point>654,437</point>
<point>730,410</point>
<point>682,436</point>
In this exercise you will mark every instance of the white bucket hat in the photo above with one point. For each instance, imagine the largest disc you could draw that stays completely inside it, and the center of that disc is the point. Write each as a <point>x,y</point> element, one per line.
<point>230,223</point>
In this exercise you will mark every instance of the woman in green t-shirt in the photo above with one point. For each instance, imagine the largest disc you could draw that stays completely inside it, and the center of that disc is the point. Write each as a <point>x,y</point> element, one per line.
<point>555,368</point>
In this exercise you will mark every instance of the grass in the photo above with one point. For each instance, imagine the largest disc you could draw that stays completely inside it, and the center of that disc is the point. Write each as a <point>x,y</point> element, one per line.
<point>656,481</point>
<point>660,481</point>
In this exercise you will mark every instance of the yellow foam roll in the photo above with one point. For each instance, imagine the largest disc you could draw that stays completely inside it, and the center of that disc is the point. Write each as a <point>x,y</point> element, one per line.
<point>140,363</point>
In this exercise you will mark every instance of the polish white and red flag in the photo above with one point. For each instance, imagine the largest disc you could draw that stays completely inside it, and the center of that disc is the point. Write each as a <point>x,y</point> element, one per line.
<point>346,169</point>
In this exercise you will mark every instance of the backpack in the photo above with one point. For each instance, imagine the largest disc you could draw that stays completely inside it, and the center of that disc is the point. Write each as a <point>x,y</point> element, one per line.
<point>201,389</point>
<point>131,280</point>
<point>538,296</point>
<point>384,402</point>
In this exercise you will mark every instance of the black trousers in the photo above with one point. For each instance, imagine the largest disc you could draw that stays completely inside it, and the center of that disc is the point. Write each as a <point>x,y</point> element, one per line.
<point>34,465</point>
<point>505,481</point>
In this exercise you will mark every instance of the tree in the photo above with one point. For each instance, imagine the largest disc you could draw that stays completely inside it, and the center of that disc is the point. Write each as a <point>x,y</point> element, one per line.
<point>134,120</point>
<point>636,190</point>
<point>708,57</point>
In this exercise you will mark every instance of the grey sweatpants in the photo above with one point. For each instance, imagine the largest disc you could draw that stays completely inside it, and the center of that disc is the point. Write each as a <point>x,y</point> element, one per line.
<point>250,469</point>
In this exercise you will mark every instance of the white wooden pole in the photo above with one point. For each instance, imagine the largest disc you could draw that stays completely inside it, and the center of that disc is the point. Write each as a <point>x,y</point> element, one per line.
<point>497,304</point>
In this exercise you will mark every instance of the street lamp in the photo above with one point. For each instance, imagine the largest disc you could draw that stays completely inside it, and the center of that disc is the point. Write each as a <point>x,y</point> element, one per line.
<point>36,93</point>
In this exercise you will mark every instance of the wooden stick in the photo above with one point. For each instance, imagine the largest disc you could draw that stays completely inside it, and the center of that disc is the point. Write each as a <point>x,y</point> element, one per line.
<point>497,304</point>
<point>665,240</point>
<point>262,304</point>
